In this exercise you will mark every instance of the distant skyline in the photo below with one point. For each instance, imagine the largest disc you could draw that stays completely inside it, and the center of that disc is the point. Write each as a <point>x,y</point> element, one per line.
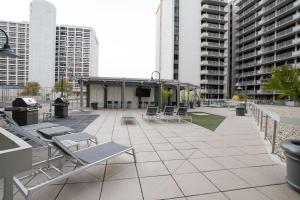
<point>125,30</point>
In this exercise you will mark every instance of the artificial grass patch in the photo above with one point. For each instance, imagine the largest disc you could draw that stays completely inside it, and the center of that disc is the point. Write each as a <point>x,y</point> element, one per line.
<point>208,121</point>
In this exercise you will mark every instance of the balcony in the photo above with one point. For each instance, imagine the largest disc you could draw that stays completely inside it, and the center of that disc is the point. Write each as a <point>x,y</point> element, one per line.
<point>212,91</point>
<point>264,71</point>
<point>213,63</point>
<point>212,53</point>
<point>215,9</point>
<point>213,26</point>
<point>213,18</point>
<point>282,22</point>
<point>213,44</point>
<point>214,36</point>
<point>212,72</point>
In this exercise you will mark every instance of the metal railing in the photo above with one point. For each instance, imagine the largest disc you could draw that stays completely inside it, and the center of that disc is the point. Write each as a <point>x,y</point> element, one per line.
<point>264,117</point>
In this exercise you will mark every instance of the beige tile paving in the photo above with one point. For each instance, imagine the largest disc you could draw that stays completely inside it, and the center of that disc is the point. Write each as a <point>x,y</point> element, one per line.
<point>176,161</point>
<point>160,187</point>
<point>180,167</point>
<point>120,171</point>
<point>246,194</point>
<point>187,184</point>
<point>127,189</point>
<point>151,169</point>
<point>260,176</point>
<point>81,191</point>
<point>170,155</point>
<point>226,180</point>
<point>279,192</point>
<point>206,164</point>
<point>214,196</point>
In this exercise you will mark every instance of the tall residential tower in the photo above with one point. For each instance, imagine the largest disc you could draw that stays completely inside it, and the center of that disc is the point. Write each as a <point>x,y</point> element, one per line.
<point>192,43</point>
<point>42,42</point>
<point>47,52</point>
<point>267,35</point>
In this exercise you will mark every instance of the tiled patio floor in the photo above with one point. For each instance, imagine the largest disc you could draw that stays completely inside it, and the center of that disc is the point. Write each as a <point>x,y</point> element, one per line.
<point>178,161</point>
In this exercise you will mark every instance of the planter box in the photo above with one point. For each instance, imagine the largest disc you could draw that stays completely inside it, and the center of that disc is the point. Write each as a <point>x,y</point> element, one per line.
<point>292,152</point>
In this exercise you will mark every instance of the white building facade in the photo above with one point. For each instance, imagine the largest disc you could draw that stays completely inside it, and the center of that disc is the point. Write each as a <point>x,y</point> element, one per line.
<point>42,43</point>
<point>76,53</point>
<point>14,71</point>
<point>46,51</point>
<point>192,43</point>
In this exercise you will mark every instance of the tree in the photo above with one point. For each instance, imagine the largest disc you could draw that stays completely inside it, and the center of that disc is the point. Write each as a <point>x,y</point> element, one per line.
<point>286,81</point>
<point>68,87</point>
<point>31,89</point>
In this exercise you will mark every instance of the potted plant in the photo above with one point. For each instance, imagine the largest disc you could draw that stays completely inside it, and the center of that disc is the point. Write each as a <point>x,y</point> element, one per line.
<point>286,81</point>
<point>167,93</point>
<point>291,149</point>
<point>198,97</point>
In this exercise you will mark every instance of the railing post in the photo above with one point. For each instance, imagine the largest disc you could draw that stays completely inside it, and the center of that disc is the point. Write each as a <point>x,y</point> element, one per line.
<point>261,120</point>
<point>266,127</point>
<point>274,136</point>
<point>258,118</point>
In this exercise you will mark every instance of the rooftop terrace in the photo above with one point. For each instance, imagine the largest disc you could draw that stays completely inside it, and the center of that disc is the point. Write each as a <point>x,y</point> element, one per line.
<point>178,161</point>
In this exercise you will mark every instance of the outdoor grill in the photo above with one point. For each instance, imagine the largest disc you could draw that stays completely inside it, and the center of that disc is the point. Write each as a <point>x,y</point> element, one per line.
<point>24,111</point>
<point>61,108</point>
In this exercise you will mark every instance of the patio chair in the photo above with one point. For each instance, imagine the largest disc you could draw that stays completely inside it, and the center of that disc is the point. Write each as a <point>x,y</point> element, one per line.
<point>151,112</point>
<point>129,104</point>
<point>167,113</point>
<point>116,104</point>
<point>109,104</point>
<point>82,160</point>
<point>181,114</point>
<point>30,133</point>
<point>153,104</point>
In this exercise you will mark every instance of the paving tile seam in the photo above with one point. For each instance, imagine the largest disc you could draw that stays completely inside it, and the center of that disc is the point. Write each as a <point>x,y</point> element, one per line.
<point>163,162</point>
<point>135,164</point>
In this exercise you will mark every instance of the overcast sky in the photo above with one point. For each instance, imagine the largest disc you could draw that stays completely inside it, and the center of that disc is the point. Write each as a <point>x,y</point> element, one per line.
<point>125,30</point>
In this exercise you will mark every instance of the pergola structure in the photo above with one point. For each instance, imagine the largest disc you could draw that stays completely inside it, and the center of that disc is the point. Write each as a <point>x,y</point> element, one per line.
<point>126,87</point>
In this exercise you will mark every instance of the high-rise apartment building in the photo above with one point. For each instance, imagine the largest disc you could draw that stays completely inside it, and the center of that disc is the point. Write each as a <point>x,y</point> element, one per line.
<point>229,43</point>
<point>14,71</point>
<point>42,43</point>
<point>267,35</point>
<point>73,52</point>
<point>192,44</point>
<point>76,52</point>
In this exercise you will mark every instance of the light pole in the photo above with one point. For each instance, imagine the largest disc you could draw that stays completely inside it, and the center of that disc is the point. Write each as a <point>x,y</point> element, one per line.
<point>6,51</point>
<point>160,89</point>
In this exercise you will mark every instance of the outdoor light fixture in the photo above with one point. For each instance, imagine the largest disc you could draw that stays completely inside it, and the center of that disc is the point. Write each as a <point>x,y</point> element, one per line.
<point>6,51</point>
<point>238,87</point>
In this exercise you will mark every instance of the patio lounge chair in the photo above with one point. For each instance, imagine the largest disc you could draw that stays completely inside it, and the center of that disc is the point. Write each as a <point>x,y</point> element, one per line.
<point>109,104</point>
<point>83,159</point>
<point>116,104</point>
<point>31,133</point>
<point>151,112</point>
<point>181,114</point>
<point>167,113</point>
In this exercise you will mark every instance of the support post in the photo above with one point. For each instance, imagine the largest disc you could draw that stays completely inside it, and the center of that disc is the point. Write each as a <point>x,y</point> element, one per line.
<point>8,188</point>
<point>258,117</point>
<point>178,95</point>
<point>81,94</point>
<point>266,127</point>
<point>123,95</point>
<point>274,136</point>
<point>261,120</point>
